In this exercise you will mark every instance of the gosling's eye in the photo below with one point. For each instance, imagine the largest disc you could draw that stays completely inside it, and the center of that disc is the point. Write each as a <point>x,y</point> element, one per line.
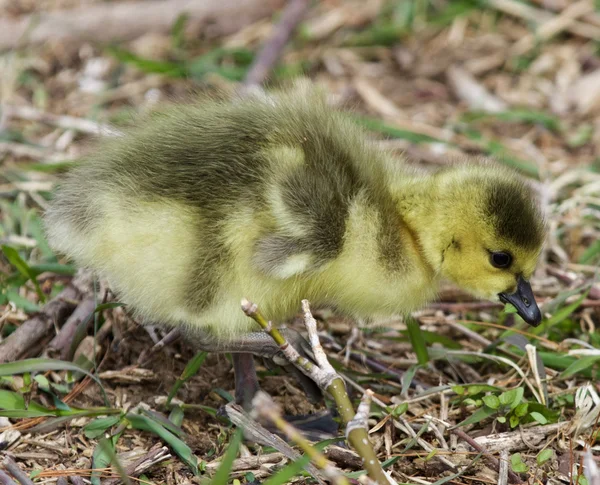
<point>500,259</point>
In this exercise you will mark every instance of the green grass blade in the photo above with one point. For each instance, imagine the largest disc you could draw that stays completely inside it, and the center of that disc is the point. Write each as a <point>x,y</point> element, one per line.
<point>108,450</point>
<point>190,371</point>
<point>559,316</point>
<point>182,450</point>
<point>15,259</point>
<point>517,116</point>
<point>101,459</point>
<point>417,340</point>
<point>591,254</point>
<point>222,475</point>
<point>580,365</point>
<point>379,126</point>
<point>98,426</point>
<point>43,365</point>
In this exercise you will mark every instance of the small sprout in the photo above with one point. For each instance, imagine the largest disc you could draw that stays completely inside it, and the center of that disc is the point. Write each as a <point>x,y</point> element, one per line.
<point>517,464</point>
<point>544,456</point>
<point>540,418</point>
<point>491,401</point>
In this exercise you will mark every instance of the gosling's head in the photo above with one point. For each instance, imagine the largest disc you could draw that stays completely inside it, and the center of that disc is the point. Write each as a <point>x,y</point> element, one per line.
<point>495,231</point>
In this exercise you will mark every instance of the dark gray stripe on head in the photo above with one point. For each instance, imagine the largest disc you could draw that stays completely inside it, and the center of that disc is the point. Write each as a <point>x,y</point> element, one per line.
<point>512,208</point>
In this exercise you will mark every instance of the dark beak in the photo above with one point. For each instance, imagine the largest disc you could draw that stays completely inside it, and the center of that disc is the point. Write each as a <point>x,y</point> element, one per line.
<point>524,302</point>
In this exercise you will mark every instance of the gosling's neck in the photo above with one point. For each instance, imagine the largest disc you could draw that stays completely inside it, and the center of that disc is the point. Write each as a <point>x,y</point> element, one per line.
<point>427,211</point>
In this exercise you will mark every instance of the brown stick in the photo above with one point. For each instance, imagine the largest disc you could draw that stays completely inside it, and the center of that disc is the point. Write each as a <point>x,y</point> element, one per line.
<point>108,22</point>
<point>290,18</point>
<point>569,279</point>
<point>62,341</point>
<point>37,327</point>
<point>5,479</point>
<point>168,339</point>
<point>16,472</point>
<point>156,454</point>
<point>512,476</point>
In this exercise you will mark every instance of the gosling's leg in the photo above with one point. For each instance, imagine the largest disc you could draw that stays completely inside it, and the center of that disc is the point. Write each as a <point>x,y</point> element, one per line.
<point>261,345</point>
<point>315,426</point>
<point>246,380</point>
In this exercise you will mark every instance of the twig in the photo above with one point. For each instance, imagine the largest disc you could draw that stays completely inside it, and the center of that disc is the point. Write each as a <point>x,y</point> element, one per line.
<point>122,21</point>
<point>591,471</point>
<point>155,455</point>
<point>361,418</point>
<point>26,151</point>
<point>168,339</point>
<point>273,47</point>
<point>250,462</point>
<point>569,279</point>
<point>62,121</point>
<point>5,479</point>
<point>265,408</point>
<point>37,327</point>
<point>16,472</point>
<point>531,14</point>
<point>512,476</point>
<point>554,26</point>
<point>503,470</point>
<point>62,341</point>
<point>254,431</point>
<point>327,379</point>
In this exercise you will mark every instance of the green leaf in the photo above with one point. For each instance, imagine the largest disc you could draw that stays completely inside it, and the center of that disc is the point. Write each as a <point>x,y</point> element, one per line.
<point>222,475</point>
<point>182,450</point>
<point>379,126</point>
<point>107,452</point>
<point>501,419</point>
<point>591,254</point>
<point>407,378</point>
<point>13,405</point>
<point>560,315</point>
<point>98,426</point>
<point>190,370</point>
<point>12,255</point>
<point>514,421</point>
<point>108,306</point>
<point>21,302</point>
<point>163,421</point>
<point>580,365</point>
<point>176,415</point>
<point>102,458</point>
<point>477,416</point>
<point>399,409</point>
<point>544,456</point>
<point>43,365</point>
<point>172,69</point>
<point>460,390</point>
<point>517,464</point>
<point>491,401</point>
<point>35,473</point>
<point>417,340</point>
<point>37,232</point>
<point>11,400</point>
<point>521,410</point>
<point>512,398</point>
<point>540,418</point>
<point>517,115</point>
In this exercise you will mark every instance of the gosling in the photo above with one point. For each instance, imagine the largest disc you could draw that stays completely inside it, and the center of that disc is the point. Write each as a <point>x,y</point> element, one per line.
<point>278,200</point>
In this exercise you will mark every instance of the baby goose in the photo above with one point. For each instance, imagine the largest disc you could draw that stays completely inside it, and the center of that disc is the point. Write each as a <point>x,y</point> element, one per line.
<point>283,199</point>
